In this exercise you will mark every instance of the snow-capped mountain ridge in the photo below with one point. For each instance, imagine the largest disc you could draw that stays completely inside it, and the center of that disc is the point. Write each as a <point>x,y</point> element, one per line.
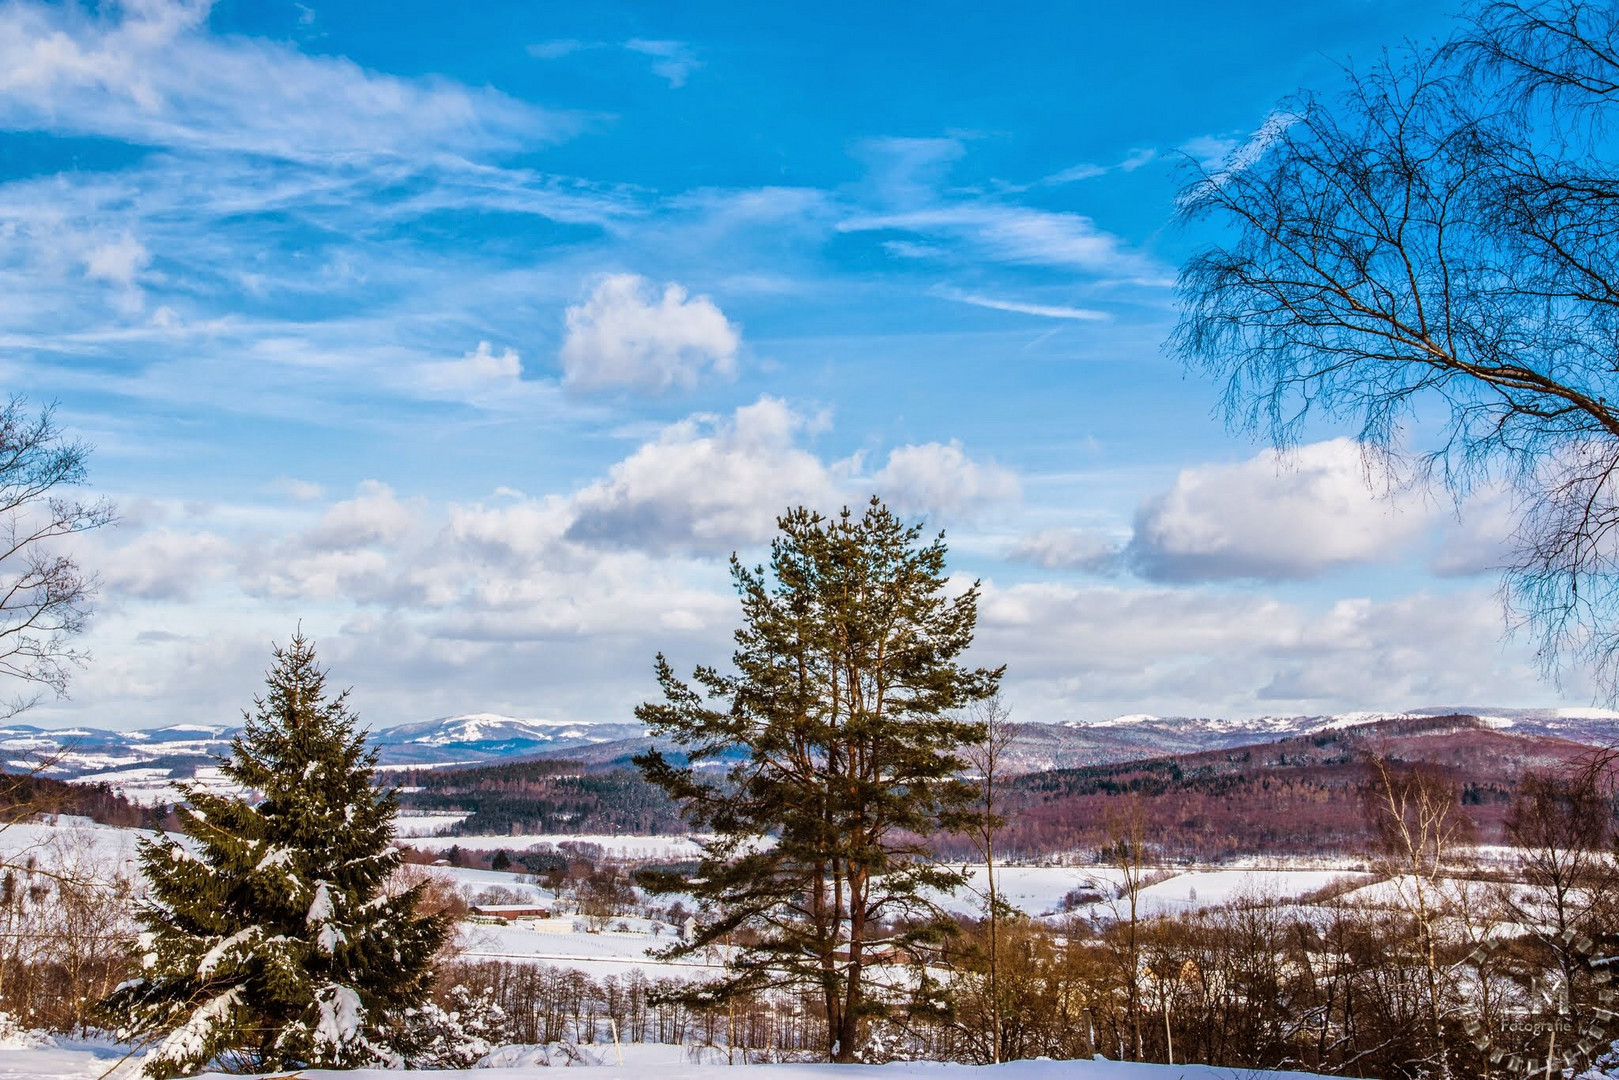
<point>469,729</point>
<point>1584,724</point>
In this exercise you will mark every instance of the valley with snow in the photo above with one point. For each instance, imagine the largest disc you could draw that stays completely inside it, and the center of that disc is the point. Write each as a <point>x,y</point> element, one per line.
<point>524,900</point>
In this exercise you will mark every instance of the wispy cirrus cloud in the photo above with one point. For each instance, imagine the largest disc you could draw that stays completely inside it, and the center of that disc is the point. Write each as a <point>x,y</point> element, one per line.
<point>673,61</point>
<point>908,197</point>
<point>150,73</point>
<point>1022,307</point>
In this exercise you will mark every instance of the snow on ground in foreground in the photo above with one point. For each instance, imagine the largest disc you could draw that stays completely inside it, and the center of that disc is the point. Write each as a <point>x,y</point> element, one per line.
<point>76,842</point>
<point>84,1061</point>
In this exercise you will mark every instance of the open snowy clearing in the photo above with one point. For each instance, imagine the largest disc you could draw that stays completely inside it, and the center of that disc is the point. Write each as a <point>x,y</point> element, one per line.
<point>88,1061</point>
<point>424,823</point>
<point>616,847</point>
<point>1040,890</point>
<point>150,786</point>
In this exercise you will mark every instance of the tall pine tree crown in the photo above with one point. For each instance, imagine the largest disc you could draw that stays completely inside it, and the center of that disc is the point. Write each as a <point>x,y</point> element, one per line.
<point>272,940</point>
<point>841,727</point>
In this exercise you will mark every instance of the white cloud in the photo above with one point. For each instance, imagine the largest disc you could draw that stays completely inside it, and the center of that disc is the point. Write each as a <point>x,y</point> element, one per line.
<point>1088,653</point>
<point>713,484</point>
<point>118,261</point>
<point>1087,171</point>
<point>1047,311</point>
<point>1275,517</point>
<point>474,375</point>
<point>628,336</point>
<point>298,490</point>
<point>435,609</point>
<point>164,564</point>
<point>671,60</point>
<point>375,516</point>
<point>1479,537</point>
<point>1018,235</point>
<point>1210,151</point>
<point>1083,171</point>
<point>1068,549</point>
<point>707,484</point>
<point>150,73</point>
<point>941,478</point>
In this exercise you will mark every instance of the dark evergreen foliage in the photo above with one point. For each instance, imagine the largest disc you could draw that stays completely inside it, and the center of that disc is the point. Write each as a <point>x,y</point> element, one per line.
<point>271,939</point>
<point>845,707</point>
<point>542,797</point>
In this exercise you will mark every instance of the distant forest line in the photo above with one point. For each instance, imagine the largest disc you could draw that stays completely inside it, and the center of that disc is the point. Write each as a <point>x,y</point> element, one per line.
<point>1297,796</point>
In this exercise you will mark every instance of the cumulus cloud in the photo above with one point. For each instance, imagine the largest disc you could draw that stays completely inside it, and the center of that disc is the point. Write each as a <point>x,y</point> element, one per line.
<point>1068,549</point>
<point>298,490</point>
<point>710,484</point>
<point>627,335</point>
<point>1275,517</point>
<point>1478,538</point>
<point>473,375</point>
<point>374,516</point>
<point>118,262</point>
<point>435,609</point>
<point>940,478</point>
<point>1085,653</point>
<point>707,484</point>
<point>165,564</point>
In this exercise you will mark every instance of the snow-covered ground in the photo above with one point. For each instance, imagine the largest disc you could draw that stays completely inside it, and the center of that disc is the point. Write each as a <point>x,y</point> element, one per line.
<point>1040,890</point>
<point>72,842</point>
<point>617,847</point>
<point>150,785</point>
<point>424,823</point>
<point>609,952</point>
<point>89,1061</point>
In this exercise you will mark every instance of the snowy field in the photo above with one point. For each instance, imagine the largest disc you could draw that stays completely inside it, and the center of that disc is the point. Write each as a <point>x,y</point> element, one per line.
<point>613,951</point>
<point>76,843</point>
<point>147,786</point>
<point>88,1061</point>
<point>424,823</point>
<point>615,847</point>
<point>1040,890</point>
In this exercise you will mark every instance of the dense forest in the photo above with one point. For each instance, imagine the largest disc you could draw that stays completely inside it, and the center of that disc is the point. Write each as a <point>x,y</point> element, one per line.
<point>1293,797</point>
<point>27,795</point>
<point>540,797</point>
<point>1298,796</point>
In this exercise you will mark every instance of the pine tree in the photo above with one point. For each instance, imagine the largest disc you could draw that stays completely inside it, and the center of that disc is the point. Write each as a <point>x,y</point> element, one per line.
<point>271,940</point>
<point>841,727</point>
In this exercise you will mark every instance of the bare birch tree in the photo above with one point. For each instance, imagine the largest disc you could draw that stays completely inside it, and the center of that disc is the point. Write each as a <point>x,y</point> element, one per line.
<point>1432,257</point>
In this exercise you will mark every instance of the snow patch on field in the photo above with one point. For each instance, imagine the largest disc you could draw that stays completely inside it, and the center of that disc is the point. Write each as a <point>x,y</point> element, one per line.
<point>413,825</point>
<point>618,847</point>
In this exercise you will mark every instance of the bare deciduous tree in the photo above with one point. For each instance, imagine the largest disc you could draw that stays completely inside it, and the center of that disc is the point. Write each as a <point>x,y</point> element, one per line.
<point>44,594</point>
<point>987,759</point>
<point>1417,813</point>
<point>1127,853</point>
<point>1433,257</point>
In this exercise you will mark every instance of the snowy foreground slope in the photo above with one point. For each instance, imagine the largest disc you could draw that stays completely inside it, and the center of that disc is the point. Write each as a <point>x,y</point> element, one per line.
<point>87,1062</point>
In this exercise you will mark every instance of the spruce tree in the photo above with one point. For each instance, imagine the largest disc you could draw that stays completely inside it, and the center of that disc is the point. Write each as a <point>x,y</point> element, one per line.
<point>842,730</point>
<point>271,940</point>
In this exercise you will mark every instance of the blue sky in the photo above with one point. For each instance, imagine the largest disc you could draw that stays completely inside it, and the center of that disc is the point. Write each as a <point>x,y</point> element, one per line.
<point>477,336</point>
